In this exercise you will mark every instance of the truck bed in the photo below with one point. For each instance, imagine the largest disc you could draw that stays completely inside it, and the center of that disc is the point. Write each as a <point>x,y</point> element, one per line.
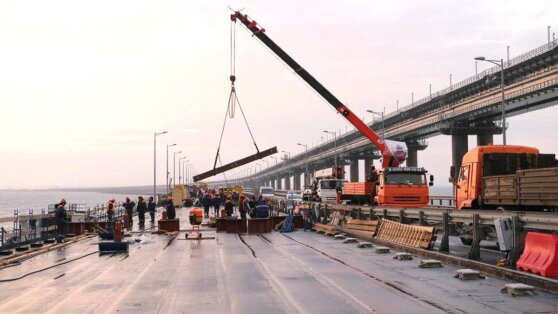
<point>533,187</point>
<point>357,188</point>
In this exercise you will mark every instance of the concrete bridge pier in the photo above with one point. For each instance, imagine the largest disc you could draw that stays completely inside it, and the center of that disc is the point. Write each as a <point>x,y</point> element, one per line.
<point>287,182</point>
<point>459,146</point>
<point>367,163</point>
<point>353,174</point>
<point>412,158</point>
<point>413,148</point>
<point>297,181</point>
<point>485,139</point>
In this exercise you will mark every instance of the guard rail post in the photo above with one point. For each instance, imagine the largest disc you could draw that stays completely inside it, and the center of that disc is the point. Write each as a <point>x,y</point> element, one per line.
<point>385,213</point>
<point>402,216</point>
<point>421,218</point>
<point>514,254</point>
<point>474,252</point>
<point>444,244</point>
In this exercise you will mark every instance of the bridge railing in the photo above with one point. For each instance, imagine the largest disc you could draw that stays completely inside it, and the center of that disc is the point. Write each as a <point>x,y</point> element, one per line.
<point>513,62</point>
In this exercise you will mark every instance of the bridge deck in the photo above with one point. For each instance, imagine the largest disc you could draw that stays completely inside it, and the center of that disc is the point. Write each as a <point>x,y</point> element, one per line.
<point>273,273</point>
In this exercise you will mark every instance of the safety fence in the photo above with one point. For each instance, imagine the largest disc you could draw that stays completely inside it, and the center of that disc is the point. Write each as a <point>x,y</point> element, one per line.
<point>38,225</point>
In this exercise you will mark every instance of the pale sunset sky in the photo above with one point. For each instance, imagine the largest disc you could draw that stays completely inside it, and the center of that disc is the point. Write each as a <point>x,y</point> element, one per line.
<point>83,85</point>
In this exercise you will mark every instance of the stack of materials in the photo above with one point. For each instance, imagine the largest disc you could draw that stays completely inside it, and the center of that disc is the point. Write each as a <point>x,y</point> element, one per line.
<point>415,236</point>
<point>325,229</point>
<point>362,228</point>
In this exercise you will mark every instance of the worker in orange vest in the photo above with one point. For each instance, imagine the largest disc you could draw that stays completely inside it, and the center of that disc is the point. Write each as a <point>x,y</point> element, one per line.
<point>110,210</point>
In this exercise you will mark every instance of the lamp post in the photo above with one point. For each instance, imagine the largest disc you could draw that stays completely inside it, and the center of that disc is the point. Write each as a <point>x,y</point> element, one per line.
<point>155,134</point>
<point>179,169</point>
<point>168,185</point>
<point>174,167</point>
<point>306,159</point>
<point>185,165</point>
<point>499,63</point>
<point>276,173</point>
<point>381,114</point>
<point>335,143</point>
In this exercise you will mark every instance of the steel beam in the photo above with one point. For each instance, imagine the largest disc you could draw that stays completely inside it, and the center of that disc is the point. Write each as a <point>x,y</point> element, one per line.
<point>235,164</point>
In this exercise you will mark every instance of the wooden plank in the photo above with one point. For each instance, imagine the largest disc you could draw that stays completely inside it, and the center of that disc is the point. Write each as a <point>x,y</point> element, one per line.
<point>235,164</point>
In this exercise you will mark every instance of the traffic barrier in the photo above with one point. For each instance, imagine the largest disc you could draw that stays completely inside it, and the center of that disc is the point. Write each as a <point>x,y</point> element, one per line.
<point>540,254</point>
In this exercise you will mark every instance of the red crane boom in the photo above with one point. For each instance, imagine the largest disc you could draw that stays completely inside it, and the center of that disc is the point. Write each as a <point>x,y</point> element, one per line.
<point>390,158</point>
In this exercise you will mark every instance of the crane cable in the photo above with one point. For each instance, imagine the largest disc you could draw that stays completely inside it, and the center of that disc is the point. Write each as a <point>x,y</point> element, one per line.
<point>233,98</point>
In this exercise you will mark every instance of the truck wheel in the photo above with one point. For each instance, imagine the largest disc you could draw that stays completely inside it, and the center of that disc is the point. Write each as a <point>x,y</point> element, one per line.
<point>466,241</point>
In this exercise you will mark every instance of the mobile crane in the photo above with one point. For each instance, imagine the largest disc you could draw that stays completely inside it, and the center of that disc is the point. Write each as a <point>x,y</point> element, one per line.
<point>406,188</point>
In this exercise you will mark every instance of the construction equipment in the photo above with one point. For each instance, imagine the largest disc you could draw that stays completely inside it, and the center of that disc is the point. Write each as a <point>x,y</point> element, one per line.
<point>196,218</point>
<point>393,153</point>
<point>505,177</point>
<point>508,177</point>
<point>327,183</point>
<point>116,246</point>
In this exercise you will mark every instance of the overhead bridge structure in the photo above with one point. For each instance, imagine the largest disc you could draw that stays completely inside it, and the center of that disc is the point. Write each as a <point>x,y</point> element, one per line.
<point>470,107</point>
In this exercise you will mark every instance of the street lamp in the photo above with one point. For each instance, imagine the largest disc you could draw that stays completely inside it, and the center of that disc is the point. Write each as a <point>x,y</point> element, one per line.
<point>174,167</point>
<point>276,172</point>
<point>381,114</point>
<point>155,134</point>
<point>499,63</point>
<point>168,145</point>
<point>335,143</point>
<point>306,158</point>
<point>179,169</point>
<point>185,165</point>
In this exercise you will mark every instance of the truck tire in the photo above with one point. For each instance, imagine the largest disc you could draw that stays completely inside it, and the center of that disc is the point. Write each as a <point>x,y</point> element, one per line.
<point>466,241</point>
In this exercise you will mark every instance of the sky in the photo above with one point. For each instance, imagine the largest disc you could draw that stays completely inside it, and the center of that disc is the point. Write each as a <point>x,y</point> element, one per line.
<point>84,85</point>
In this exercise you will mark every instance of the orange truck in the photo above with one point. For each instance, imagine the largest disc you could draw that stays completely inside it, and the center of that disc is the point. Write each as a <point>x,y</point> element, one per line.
<point>396,186</point>
<point>505,177</point>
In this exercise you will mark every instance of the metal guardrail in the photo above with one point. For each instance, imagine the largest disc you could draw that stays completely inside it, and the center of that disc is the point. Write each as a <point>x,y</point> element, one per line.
<point>513,62</point>
<point>547,221</point>
<point>35,227</point>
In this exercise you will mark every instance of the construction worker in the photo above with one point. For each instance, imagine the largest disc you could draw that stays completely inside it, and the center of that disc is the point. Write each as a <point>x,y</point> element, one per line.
<point>206,202</point>
<point>229,207</point>
<point>216,202</point>
<point>110,210</point>
<point>374,179</point>
<point>243,206</point>
<point>142,208</point>
<point>151,208</point>
<point>129,206</point>
<point>60,215</point>
<point>171,211</point>
<point>62,202</point>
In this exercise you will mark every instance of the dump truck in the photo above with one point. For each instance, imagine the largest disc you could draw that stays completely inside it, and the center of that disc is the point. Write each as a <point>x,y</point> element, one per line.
<point>505,177</point>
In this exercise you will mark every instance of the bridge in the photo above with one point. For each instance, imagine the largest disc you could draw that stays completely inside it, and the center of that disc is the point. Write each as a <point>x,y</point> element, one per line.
<point>470,107</point>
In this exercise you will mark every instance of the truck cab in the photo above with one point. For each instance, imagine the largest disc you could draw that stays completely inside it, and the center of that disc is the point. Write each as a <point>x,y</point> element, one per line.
<point>403,186</point>
<point>327,189</point>
<point>326,183</point>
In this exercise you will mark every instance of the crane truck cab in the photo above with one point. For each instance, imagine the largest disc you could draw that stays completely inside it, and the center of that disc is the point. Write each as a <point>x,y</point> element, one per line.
<point>326,183</point>
<point>403,187</point>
